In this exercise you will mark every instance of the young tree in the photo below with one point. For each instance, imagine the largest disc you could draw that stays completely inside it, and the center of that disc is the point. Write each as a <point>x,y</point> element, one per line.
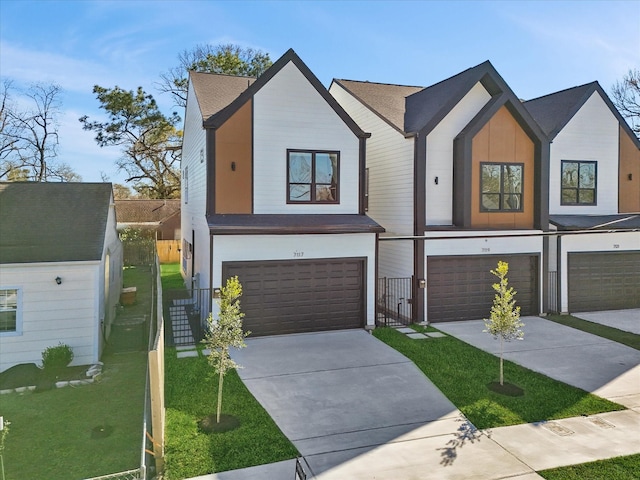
<point>626,98</point>
<point>150,141</point>
<point>505,321</point>
<point>225,332</point>
<point>228,58</point>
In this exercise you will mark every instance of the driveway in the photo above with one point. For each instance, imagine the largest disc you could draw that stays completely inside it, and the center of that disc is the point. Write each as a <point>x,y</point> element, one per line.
<point>627,320</point>
<point>355,407</point>
<point>586,361</point>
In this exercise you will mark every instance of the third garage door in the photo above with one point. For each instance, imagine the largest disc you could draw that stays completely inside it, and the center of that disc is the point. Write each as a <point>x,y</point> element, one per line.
<point>293,296</point>
<point>459,288</point>
<point>604,281</point>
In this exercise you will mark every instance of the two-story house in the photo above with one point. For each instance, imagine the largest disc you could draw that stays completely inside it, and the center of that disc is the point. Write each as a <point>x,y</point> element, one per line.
<point>273,192</point>
<point>594,185</point>
<point>458,176</point>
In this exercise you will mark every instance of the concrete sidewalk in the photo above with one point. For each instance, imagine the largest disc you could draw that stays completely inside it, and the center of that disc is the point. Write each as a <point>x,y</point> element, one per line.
<point>627,320</point>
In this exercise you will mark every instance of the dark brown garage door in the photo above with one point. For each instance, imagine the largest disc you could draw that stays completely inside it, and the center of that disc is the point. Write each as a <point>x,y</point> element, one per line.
<point>459,288</point>
<point>294,296</point>
<point>604,281</point>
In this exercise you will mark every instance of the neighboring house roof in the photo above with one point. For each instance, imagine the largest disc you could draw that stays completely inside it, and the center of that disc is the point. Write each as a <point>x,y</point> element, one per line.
<point>595,222</point>
<point>554,111</point>
<point>53,222</point>
<point>144,212</point>
<point>225,105</point>
<point>302,224</point>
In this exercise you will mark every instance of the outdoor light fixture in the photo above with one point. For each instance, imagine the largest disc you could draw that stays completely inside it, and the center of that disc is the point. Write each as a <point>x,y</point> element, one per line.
<point>435,180</point>
<point>58,280</point>
<point>233,166</point>
<point>631,176</point>
<point>422,283</point>
<point>216,292</point>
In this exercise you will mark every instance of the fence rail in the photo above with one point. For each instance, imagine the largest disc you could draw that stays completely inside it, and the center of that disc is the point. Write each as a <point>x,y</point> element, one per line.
<point>128,475</point>
<point>394,305</point>
<point>168,251</point>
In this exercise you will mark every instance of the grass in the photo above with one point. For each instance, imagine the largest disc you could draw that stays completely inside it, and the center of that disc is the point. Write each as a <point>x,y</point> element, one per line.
<point>619,468</point>
<point>462,373</point>
<point>191,395</point>
<point>626,338</point>
<point>171,277</point>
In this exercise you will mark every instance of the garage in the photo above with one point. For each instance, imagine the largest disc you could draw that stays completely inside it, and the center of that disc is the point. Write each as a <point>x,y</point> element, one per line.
<point>295,296</point>
<point>603,280</point>
<point>459,287</point>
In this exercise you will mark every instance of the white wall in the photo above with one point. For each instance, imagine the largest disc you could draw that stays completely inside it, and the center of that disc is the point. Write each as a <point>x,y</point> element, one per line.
<point>230,248</point>
<point>439,198</point>
<point>592,134</point>
<point>110,278</point>
<point>596,242</point>
<point>290,114</point>
<point>53,313</point>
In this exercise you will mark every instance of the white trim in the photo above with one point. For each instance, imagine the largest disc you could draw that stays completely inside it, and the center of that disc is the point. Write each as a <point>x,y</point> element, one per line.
<point>19,308</point>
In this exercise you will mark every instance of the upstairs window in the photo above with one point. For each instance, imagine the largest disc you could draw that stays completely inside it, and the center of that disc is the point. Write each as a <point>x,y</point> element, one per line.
<point>578,183</point>
<point>312,176</point>
<point>10,311</point>
<point>501,187</point>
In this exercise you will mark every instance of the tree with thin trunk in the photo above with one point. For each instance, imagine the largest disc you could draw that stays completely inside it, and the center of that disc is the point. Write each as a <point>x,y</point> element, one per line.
<point>626,97</point>
<point>224,333</point>
<point>504,323</point>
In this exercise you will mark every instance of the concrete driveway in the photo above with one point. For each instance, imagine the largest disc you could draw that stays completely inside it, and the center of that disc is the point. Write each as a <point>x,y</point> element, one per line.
<point>597,365</point>
<point>356,408</point>
<point>627,320</point>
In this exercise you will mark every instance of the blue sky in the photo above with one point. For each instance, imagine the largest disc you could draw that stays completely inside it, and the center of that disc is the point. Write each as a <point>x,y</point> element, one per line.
<point>538,47</point>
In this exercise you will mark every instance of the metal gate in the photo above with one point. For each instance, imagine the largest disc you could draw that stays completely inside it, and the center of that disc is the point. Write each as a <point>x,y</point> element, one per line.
<point>394,304</point>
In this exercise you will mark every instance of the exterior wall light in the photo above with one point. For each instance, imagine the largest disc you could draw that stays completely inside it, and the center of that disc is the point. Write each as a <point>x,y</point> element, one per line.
<point>58,280</point>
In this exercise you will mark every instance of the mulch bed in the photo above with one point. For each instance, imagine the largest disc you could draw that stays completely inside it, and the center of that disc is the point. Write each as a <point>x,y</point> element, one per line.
<point>28,374</point>
<point>209,423</point>
<point>508,389</point>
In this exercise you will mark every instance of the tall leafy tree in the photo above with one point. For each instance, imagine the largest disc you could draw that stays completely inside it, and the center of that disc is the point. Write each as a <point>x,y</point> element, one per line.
<point>626,98</point>
<point>226,58</point>
<point>29,136</point>
<point>504,322</point>
<point>149,140</point>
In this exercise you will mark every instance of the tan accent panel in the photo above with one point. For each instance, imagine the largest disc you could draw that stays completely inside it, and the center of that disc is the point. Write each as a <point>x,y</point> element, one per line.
<point>502,140</point>
<point>233,144</point>
<point>629,190</point>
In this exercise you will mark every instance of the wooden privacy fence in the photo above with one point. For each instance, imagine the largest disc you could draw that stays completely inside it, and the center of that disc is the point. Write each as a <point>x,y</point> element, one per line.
<point>168,251</point>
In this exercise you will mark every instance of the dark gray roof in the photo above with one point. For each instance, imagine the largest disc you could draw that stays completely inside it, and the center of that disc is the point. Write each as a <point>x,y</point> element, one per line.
<point>146,210</point>
<point>386,100</point>
<point>215,91</point>
<point>291,224</point>
<point>596,222</point>
<point>53,222</point>
<point>244,93</point>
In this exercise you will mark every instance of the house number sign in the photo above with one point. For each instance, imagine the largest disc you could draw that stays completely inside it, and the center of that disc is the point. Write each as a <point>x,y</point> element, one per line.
<point>298,254</point>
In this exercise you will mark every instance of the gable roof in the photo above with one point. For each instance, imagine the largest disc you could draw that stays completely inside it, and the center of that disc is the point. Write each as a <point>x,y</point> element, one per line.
<point>223,113</point>
<point>215,91</point>
<point>53,222</point>
<point>555,110</point>
<point>145,210</point>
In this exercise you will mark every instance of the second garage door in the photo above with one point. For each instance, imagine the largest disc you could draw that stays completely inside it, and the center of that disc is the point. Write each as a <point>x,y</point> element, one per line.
<point>292,296</point>
<point>604,281</point>
<point>459,288</point>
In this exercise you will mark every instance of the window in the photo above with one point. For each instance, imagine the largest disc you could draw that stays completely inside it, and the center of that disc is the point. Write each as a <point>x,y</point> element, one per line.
<point>312,176</point>
<point>10,300</point>
<point>501,187</point>
<point>366,189</point>
<point>578,183</point>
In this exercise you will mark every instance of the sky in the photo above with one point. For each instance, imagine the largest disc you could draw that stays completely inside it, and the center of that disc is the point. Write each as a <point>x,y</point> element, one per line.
<point>538,47</point>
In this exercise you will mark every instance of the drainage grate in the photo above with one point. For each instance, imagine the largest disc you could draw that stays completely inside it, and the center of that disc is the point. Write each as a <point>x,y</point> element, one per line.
<point>600,422</point>
<point>557,429</point>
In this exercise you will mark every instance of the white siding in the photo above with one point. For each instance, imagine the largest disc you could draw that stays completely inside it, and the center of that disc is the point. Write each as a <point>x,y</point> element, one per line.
<point>291,247</point>
<point>439,198</point>
<point>592,134</point>
<point>194,156</point>
<point>597,242</point>
<point>53,313</point>
<point>290,113</point>
<point>390,164</point>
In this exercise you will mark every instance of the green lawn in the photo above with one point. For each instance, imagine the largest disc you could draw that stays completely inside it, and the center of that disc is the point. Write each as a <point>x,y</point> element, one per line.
<point>190,395</point>
<point>462,373</point>
<point>626,338</point>
<point>619,468</point>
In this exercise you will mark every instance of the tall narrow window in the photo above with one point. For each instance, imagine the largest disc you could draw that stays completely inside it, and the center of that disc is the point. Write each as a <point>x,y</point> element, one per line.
<point>579,183</point>
<point>10,310</point>
<point>501,187</point>
<point>312,176</point>
<point>366,189</point>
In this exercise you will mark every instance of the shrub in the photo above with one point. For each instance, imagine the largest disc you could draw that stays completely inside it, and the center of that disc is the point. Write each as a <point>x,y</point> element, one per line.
<point>57,357</point>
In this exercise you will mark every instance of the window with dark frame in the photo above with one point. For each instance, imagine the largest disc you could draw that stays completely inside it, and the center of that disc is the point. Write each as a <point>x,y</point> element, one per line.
<point>579,179</point>
<point>312,176</point>
<point>9,310</point>
<point>501,187</point>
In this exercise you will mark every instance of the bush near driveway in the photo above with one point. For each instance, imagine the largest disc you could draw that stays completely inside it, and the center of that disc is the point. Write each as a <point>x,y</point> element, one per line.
<point>462,373</point>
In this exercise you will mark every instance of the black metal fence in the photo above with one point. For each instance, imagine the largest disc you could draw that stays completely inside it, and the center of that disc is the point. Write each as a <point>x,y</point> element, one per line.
<point>394,304</point>
<point>188,311</point>
<point>552,293</point>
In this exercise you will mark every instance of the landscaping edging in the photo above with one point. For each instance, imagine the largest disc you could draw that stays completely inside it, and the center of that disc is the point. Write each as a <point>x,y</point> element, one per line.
<point>93,372</point>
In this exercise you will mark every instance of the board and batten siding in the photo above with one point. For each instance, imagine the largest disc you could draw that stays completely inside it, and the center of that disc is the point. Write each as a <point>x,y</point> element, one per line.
<point>597,242</point>
<point>193,208</point>
<point>237,248</point>
<point>389,158</point>
<point>439,198</point>
<point>289,113</point>
<point>53,313</point>
<point>591,135</point>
